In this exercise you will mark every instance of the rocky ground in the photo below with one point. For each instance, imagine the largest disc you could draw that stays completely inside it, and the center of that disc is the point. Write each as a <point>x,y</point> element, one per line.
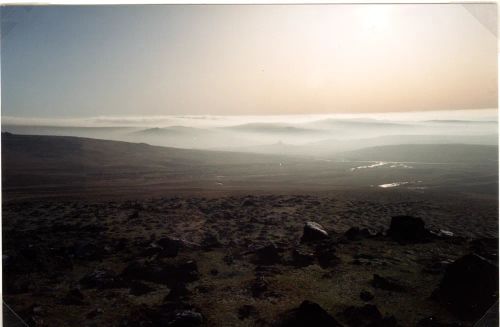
<point>261,260</point>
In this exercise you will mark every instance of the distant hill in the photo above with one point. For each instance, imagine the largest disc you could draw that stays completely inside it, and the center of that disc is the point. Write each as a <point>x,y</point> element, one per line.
<point>30,150</point>
<point>59,166</point>
<point>436,153</point>
<point>271,128</point>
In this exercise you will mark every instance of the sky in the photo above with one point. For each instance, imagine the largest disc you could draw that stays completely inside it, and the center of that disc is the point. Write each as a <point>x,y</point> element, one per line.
<point>134,61</point>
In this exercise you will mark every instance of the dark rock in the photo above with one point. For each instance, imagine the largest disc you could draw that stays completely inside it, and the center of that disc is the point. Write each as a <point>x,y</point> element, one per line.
<point>13,284</point>
<point>185,318</point>
<point>486,248</point>
<point>326,254</point>
<point>433,322</point>
<point>258,287</point>
<point>366,296</point>
<point>102,279</point>
<point>307,314</point>
<point>134,214</point>
<point>367,316</point>
<point>267,271</point>
<point>362,316</point>
<point>186,271</point>
<point>88,251</point>
<point>172,314</point>
<point>267,255</point>
<point>302,257</point>
<point>73,297</point>
<point>210,241</point>
<point>384,322</point>
<point>137,288</point>
<point>469,287</point>
<point>170,246</point>
<point>228,259</point>
<point>407,229</point>
<point>435,267</point>
<point>313,232</point>
<point>246,311</point>
<point>94,313</point>
<point>387,283</point>
<point>177,292</point>
<point>248,203</point>
<point>355,233</point>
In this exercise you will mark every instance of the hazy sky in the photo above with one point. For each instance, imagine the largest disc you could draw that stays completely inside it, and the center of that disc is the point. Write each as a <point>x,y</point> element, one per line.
<point>249,60</point>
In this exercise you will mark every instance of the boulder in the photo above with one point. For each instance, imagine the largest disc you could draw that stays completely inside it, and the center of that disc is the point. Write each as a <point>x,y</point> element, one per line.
<point>267,255</point>
<point>185,318</point>
<point>302,257</point>
<point>169,246</point>
<point>313,232</point>
<point>326,253</point>
<point>362,316</point>
<point>174,314</point>
<point>407,229</point>
<point>469,287</point>
<point>307,314</point>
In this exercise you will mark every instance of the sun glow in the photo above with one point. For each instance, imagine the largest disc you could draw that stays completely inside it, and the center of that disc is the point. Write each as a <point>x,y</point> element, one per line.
<point>376,17</point>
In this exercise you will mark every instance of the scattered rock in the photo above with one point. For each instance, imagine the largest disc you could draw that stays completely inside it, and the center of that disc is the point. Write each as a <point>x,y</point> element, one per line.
<point>313,232</point>
<point>407,229</point>
<point>469,287</point>
<point>387,283</point>
<point>307,314</point>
